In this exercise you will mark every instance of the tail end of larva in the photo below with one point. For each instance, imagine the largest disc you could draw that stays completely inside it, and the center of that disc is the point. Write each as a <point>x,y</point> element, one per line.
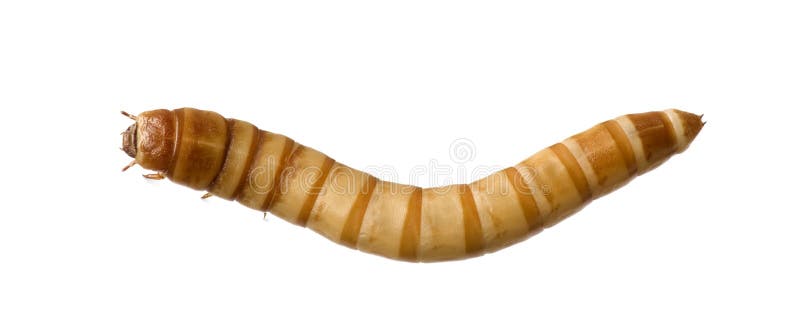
<point>689,126</point>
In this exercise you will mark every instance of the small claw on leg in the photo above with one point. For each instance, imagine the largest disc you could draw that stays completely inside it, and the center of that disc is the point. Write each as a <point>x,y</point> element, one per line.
<point>155,176</point>
<point>206,196</point>
<point>132,163</point>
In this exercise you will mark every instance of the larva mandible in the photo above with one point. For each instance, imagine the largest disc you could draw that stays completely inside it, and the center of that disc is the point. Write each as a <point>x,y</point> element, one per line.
<point>234,160</point>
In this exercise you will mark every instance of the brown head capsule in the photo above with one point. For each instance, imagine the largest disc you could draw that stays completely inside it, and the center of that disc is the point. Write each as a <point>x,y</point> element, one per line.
<point>129,141</point>
<point>234,160</point>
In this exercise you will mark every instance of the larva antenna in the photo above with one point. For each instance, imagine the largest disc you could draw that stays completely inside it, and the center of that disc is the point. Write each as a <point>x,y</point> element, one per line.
<point>128,115</point>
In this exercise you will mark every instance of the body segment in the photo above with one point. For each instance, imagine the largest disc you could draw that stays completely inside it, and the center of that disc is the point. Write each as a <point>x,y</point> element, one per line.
<point>269,172</point>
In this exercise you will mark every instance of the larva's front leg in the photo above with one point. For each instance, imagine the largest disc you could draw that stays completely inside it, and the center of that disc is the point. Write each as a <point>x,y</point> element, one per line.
<point>234,160</point>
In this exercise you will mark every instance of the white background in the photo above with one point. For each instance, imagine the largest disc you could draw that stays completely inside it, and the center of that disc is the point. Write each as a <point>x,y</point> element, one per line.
<point>709,241</point>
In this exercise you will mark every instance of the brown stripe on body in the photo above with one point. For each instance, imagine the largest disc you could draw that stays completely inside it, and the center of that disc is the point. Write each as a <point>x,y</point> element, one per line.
<point>248,163</point>
<point>473,233</point>
<point>313,191</point>
<point>179,123</point>
<point>261,174</point>
<point>200,154</point>
<point>381,230</point>
<point>288,151</point>
<point>574,170</point>
<point>623,144</point>
<point>241,149</point>
<point>409,243</point>
<point>606,160</point>
<point>229,123</point>
<point>352,227</point>
<point>656,133</point>
<point>525,197</point>
<point>673,137</point>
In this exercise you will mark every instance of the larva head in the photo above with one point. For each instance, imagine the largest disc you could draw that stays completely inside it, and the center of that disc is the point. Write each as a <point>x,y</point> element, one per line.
<point>151,139</point>
<point>129,141</point>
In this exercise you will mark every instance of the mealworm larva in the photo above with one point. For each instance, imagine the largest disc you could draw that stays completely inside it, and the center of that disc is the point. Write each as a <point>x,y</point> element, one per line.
<point>269,172</point>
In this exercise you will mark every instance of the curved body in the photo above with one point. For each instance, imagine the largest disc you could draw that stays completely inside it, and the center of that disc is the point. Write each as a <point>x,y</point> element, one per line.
<point>269,172</point>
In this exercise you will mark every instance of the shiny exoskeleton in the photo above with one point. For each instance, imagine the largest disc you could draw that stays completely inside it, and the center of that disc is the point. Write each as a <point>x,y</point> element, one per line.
<point>234,160</point>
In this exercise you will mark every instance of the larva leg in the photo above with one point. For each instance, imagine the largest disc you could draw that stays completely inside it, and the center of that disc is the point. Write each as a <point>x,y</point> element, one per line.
<point>206,196</point>
<point>155,176</point>
<point>132,163</point>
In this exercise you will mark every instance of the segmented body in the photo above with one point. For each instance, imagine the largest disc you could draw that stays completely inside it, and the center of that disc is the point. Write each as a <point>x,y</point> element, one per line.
<point>269,172</point>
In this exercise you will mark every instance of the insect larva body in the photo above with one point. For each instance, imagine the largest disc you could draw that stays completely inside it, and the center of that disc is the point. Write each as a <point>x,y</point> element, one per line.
<point>234,160</point>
